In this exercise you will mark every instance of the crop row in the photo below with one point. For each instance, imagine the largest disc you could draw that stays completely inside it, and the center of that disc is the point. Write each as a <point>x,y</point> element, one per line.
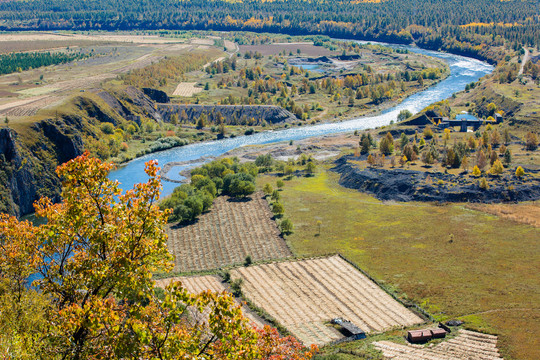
<point>227,235</point>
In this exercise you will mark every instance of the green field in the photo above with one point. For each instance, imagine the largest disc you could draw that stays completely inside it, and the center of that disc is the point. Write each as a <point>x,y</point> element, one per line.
<point>452,261</point>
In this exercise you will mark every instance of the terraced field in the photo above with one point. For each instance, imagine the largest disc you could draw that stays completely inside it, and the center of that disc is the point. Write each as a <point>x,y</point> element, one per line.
<point>226,235</point>
<point>468,345</point>
<point>198,284</point>
<point>304,295</point>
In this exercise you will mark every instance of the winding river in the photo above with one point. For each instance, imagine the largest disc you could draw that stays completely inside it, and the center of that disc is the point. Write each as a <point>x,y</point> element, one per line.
<point>463,71</point>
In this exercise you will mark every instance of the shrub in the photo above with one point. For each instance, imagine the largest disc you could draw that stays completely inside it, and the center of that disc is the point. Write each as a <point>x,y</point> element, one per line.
<point>531,141</point>
<point>520,172</point>
<point>428,133</point>
<point>236,287</point>
<point>497,168</point>
<point>483,184</point>
<point>267,189</point>
<point>278,209</point>
<point>476,171</point>
<point>286,226</point>
<point>107,128</point>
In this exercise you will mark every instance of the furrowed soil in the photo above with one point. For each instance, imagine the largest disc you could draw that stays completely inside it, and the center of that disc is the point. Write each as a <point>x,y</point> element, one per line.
<point>468,345</point>
<point>453,261</point>
<point>305,295</point>
<point>226,235</point>
<point>198,284</point>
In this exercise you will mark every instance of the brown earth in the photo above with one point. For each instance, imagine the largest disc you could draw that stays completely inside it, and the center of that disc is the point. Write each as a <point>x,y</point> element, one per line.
<point>226,235</point>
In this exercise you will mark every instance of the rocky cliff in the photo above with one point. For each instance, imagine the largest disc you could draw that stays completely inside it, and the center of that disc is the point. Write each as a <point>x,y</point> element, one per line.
<point>27,168</point>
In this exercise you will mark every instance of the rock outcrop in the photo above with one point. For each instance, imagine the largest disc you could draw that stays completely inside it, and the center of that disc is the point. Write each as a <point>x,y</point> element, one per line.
<point>408,185</point>
<point>232,114</point>
<point>27,171</point>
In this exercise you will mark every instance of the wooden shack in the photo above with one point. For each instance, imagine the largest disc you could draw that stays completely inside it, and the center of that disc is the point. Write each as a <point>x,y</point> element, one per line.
<point>351,331</point>
<point>421,336</point>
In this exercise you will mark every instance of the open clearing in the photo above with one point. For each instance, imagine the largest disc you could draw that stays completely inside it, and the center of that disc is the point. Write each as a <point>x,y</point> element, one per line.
<point>198,284</point>
<point>276,48</point>
<point>304,295</point>
<point>468,345</point>
<point>487,275</point>
<point>186,89</point>
<point>227,234</point>
<point>528,213</point>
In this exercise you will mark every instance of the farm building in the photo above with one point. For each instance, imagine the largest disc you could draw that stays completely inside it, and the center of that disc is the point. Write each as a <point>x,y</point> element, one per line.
<point>419,336</point>
<point>352,331</point>
<point>464,121</point>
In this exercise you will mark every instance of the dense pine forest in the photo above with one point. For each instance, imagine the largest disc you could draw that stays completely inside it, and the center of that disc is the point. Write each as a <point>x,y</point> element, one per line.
<point>17,62</point>
<point>473,28</point>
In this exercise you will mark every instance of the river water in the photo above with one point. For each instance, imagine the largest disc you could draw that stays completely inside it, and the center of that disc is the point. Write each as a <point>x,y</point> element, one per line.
<point>463,71</point>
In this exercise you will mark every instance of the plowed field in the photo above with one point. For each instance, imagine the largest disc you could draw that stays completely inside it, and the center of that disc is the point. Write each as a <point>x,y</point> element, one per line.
<point>198,284</point>
<point>304,295</point>
<point>468,345</point>
<point>226,235</point>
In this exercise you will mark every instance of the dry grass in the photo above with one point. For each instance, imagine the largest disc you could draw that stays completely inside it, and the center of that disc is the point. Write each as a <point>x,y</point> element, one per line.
<point>226,235</point>
<point>186,89</point>
<point>528,213</point>
<point>468,345</point>
<point>304,295</point>
<point>198,284</point>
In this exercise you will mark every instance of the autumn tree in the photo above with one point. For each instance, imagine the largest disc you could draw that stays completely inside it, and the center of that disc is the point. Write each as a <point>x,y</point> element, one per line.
<point>531,141</point>
<point>386,145</point>
<point>93,257</point>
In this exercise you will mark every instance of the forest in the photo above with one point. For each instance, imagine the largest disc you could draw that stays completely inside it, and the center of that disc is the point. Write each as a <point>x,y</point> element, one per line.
<point>477,29</point>
<point>17,62</point>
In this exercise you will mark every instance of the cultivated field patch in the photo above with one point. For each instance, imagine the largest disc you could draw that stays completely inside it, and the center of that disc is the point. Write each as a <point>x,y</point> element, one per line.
<point>227,234</point>
<point>304,295</point>
<point>198,284</point>
<point>468,345</point>
<point>186,89</point>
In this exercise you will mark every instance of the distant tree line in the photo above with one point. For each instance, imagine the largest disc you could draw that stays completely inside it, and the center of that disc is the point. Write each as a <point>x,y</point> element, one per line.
<point>17,62</point>
<point>471,28</point>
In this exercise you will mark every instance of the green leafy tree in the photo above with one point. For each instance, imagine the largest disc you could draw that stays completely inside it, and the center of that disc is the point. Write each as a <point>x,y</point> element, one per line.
<point>286,226</point>
<point>278,209</point>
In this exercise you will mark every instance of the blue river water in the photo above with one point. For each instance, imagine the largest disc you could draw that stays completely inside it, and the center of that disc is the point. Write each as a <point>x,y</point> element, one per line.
<point>463,71</point>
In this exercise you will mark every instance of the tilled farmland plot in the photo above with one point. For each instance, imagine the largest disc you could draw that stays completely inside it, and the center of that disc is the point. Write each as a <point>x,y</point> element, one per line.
<point>226,235</point>
<point>305,295</point>
<point>468,345</point>
<point>198,284</point>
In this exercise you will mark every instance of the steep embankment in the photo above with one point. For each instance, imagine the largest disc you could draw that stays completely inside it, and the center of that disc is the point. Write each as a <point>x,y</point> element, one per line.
<point>30,153</point>
<point>229,114</point>
<point>408,185</point>
<point>27,169</point>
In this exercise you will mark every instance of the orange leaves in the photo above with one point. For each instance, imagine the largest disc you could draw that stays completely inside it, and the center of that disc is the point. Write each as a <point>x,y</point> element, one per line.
<point>95,254</point>
<point>275,347</point>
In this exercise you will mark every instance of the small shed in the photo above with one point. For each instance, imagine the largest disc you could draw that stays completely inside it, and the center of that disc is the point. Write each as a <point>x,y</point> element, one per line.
<point>350,330</point>
<point>418,336</point>
<point>438,333</point>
